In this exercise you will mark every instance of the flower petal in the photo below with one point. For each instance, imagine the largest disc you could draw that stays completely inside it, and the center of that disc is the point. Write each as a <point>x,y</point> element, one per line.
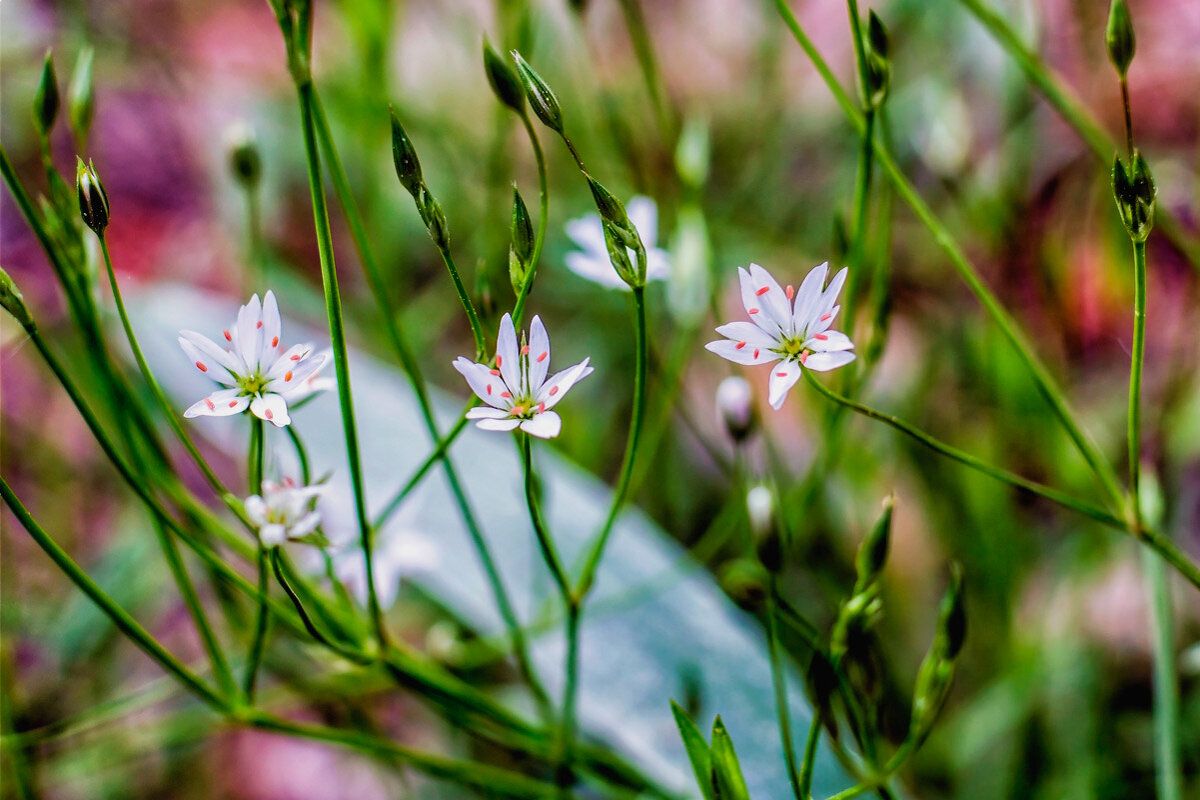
<point>271,329</point>
<point>829,341</point>
<point>293,380</point>
<point>256,509</point>
<point>209,359</point>
<point>783,378</point>
<point>772,298</point>
<point>588,234</point>
<point>272,534</point>
<point>643,213</point>
<point>290,359</point>
<point>821,323</point>
<point>560,383</point>
<point>596,268</point>
<point>499,424</point>
<point>823,362</point>
<point>658,265</point>
<point>221,403</point>
<point>829,297</point>
<point>808,297</point>
<point>486,412</point>
<point>249,333</point>
<point>749,333</point>
<point>759,312</point>
<point>546,425</point>
<point>539,354</point>
<point>486,386</point>
<point>307,524</point>
<point>748,355</point>
<point>272,408</point>
<point>508,360</point>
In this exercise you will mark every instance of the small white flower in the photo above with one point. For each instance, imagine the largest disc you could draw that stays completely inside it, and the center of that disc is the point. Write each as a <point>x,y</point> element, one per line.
<point>593,263</point>
<point>789,326</point>
<point>258,375</point>
<point>401,551</point>
<point>735,407</point>
<point>284,511</point>
<point>516,390</point>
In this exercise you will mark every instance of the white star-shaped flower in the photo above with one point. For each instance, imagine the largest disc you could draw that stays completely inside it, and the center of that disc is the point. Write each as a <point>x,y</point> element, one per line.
<point>284,511</point>
<point>593,263</point>
<point>257,375</point>
<point>516,390</point>
<point>789,326</point>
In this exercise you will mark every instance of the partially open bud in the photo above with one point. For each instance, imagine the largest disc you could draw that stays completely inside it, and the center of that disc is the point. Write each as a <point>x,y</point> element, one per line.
<point>521,251</point>
<point>404,157</point>
<point>735,408</point>
<point>46,101</point>
<point>541,98</point>
<point>872,553</point>
<point>879,63</point>
<point>82,105</point>
<point>93,201</point>
<point>244,160</point>
<point>13,302</point>
<point>1119,38</point>
<point>1135,194</point>
<point>503,80</point>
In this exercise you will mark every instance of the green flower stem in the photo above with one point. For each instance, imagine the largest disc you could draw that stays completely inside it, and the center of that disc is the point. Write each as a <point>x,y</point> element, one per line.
<point>412,369</point>
<point>398,499</point>
<point>781,701</point>
<point>309,625</point>
<point>1135,382</point>
<point>631,446</point>
<point>1076,115</point>
<point>121,618</point>
<point>1155,540</point>
<point>958,258</point>
<point>543,218</point>
<point>337,335</point>
<point>545,542</point>
<point>570,693</point>
<point>301,454</point>
<point>472,315</point>
<point>258,642</point>
<point>635,22</point>
<point>809,761</point>
<point>669,385</point>
<point>1167,730</point>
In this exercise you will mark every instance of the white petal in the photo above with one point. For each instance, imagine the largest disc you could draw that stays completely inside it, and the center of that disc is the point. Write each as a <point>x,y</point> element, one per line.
<point>226,358</point>
<point>643,213</point>
<point>748,355</point>
<point>821,323</point>
<point>809,296</point>
<point>595,267</point>
<point>290,359</point>
<point>828,342</point>
<point>658,265</point>
<point>221,403</point>
<point>307,524</point>
<point>499,424</point>
<point>560,383</point>
<point>249,332</point>
<point>482,412</point>
<point>539,354</point>
<point>208,362</point>
<point>272,408</point>
<point>294,378</point>
<point>588,233</point>
<point>747,332</point>
<point>772,298</point>
<point>507,357</point>
<point>546,425</point>
<point>256,509</point>
<point>271,329</point>
<point>759,313</point>
<point>823,362</point>
<point>783,378</point>
<point>829,297</point>
<point>486,386</point>
<point>272,534</point>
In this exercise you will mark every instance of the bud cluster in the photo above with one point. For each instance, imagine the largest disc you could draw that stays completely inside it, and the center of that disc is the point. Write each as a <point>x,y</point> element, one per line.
<point>408,170</point>
<point>620,235</point>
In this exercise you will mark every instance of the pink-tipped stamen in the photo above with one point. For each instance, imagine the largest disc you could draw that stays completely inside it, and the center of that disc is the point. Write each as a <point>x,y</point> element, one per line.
<point>763,291</point>
<point>275,342</point>
<point>506,395</point>
<point>201,367</point>
<point>753,310</point>
<point>270,414</point>
<point>756,353</point>
<point>553,391</point>
<point>820,336</point>
<point>739,345</point>
<point>542,357</point>
<point>803,356</point>
<point>494,371</point>
<point>228,336</point>
<point>210,404</point>
<point>287,378</point>
<point>791,291</point>
<point>258,325</point>
<point>826,317</point>
<point>524,349</point>
<point>499,360</point>
<point>233,403</point>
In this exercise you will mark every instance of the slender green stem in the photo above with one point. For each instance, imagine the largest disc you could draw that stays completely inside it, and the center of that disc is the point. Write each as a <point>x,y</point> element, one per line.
<point>341,359</point>
<point>1167,732</point>
<point>631,446</point>
<point>402,494</point>
<point>1135,382</point>
<point>860,52</point>
<point>309,625</point>
<point>545,542</point>
<point>635,22</point>
<point>301,454</point>
<point>121,618</point>
<point>1128,117</point>
<point>966,270</point>
<point>472,314</point>
<point>258,642</point>
<point>543,218</point>
<point>779,682</point>
<point>858,236</point>
<point>570,694</point>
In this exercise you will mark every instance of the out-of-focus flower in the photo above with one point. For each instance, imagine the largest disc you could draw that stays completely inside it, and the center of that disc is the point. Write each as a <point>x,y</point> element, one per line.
<point>258,375</point>
<point>788,326</point>
<point>593,263</point>
<point>760,507</point>
<point>735,407</point>
<point>400,551</point>
<point>516,390</point>
<point>284,511</point>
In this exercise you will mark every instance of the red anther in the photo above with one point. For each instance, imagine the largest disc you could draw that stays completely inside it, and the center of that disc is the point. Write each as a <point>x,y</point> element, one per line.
<point>233,403</point>
<point>209,403</point>
<point>524,349</point>
<point>297,357</point>
<point>506,395</point>
<point>739,345</point>
<point>781,374</point>
<point>287,378</point>
<point>763,291</point>
<point>791,291</point>
<point>489,389</point>
<point>756,353</point>
<point>499,360</point>
<point>270,414</point>
<point>803,356</point>
<point>494,371</point>
<point>542,357</point>
<point>228,336</point>
<point>553,391</point>
<point>820,336</point>
<point>541,407</point>
<point>275,342</point>
<point>258,324</point>
<point>826,317</point>
<point>201,367</point>
<point>754,311</point>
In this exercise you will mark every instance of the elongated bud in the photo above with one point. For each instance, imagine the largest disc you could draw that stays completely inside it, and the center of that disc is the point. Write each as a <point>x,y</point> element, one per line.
<point>953,616</point>
<point>46,101</point>
<point>13,301</point>
<point>1135,194</point>
<point>521,251</point>
<point>433,217</point>
<point>1119,38</point>
<point>879,63</point>
<point>691,256</point>
<point>244,160</point>
<point>760,508</point>
<point>692,152</point>
<point>610,208</point>
<point>541,98</point>
<point>872,553</point>
<point>404,157</point>
<point>81,100</point>
<point>93,201</point>
<point>735,407</point>
<point>503,80</point>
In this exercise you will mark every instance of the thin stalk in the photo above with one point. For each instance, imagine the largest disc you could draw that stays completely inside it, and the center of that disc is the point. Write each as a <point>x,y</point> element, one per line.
<point>635,22</point>
<point>1128,117</point>
<point>781,700</point>
<point>468,305</point>
<point>862,197</point>
<point>402,494</point>
<point>631,446</point>
<point>301,454</point>
<point>570,694</point>
<point>543,218</point>
<point>1167,730</point>
<point>309,625</point>
<point>262,618</point>
<point>545,542</point>
<point>809,761</point>
<point>1103,470</point>
<point>1135,381</point>
<point>341,359</point>
<point>119,617</point>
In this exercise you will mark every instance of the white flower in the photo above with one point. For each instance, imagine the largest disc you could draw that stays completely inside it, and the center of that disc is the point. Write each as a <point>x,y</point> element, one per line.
<point>593,263</point>
<point>735,407</point>
<point>258,375</point>
<point>517,391</point>
<point>284,511</point>
<point>789,326</point>
<point>399,552</point>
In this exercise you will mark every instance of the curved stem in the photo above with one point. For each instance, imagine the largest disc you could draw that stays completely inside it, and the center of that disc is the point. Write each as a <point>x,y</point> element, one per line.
<point>309,625</point>
<point>778,680</point>
<point>543,218</point>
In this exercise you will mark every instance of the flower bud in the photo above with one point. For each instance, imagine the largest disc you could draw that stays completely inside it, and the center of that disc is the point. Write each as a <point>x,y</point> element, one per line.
<point>521,251</point>
<point>1118,36</point>
<point>1135,194</point>
<point>879,64</point>
<point>541,98</point>
<point>760,508</point>
<point>735,407</point>
<point>690,273</point>
<point>611,209</point>
<point>953,616</point>
<point>744,580</point>
<point>46,101</point>
<point>81,101</point>
<point>404,157</point>
<point>503,80</point>
<point>13,301</point>
<point>872,553</point>
<point>93,201</point>
<point>433,217</point>
<point>692,152</point>
<point>618,253</point>
<point>244,160</point>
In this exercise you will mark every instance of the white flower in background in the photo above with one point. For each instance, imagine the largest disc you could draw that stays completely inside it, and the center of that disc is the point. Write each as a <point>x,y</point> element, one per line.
<point>284,511</point>
<point>735,407</point>
<point>401,551</point>
<point>789,326</point>
<point>516,390</point>
<point>593,263</point>
<point>258,375</point>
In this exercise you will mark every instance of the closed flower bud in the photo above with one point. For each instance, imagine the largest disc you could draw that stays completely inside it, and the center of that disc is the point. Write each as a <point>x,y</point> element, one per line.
<point>435,221</point>
<point>760,508</point>
<point>692,152</point>
<point>541,98</point>
<point>93,201</point>
<point>879,64</point>
<point>13,301</point>
<point>1135,194</point>
<point>744,580</point>
<point>953,620</point>
<point>735,408</point>
<point>46,101</point>
<point>611,209</point>
<point>404,157</point>
<point>872,553</point>
<point>618,253</point>
<point>244,160</point>
<point>503,80</point>
<point>521,250</point>
<point>1118,36</point>
<point>81,100</point>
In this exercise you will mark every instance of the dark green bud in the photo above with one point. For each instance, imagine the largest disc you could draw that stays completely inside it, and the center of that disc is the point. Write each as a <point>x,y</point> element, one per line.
<point>93,200</point>
<point>541,98</point>
<point>618,253</point>
<point>1118,36</point>
<point>404,157</point>
<point>81,98</point>
<point>46,101</point>
<point>1135,194</point>
<point>503,80</point>
<point>13,301</point>
<point>521,251</point>
<point>872,553</point>
<point>953,617</point>
<point>611,209</point>
<point>879,63</point>
<point>433,217</point>
<point>244,160</point>
<point>744,580</point>
<point>822,684</point>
